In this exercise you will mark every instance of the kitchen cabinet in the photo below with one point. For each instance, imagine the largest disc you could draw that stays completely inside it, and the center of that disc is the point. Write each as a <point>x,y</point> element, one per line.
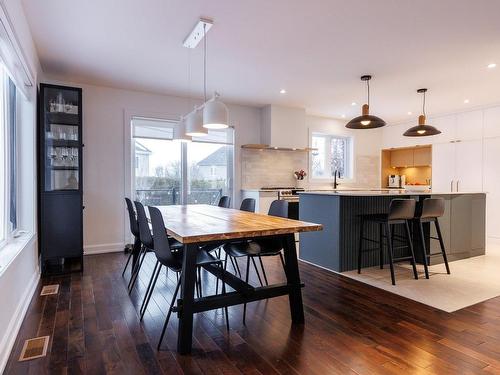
<point>422,156</point>
<point>491,122</point>
<point>402,158</point>
<point>411,157</point>
<point>469,126</point>
<point>491,184</point>
<point>443,167</point>
<point>457,166</point>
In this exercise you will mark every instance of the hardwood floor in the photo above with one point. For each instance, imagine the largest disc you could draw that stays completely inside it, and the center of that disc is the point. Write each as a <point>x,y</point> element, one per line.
<point>351,328</point>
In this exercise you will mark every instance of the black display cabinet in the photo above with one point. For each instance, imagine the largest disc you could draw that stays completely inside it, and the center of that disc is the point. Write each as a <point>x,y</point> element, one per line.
<point>60,194</point>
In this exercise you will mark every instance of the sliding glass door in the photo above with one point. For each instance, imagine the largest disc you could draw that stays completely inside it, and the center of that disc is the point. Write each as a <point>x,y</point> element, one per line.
<point>167,171</point>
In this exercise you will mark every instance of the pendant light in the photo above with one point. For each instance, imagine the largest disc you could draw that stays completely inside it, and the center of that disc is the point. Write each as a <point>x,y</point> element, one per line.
<point>214,111</point>
<point>421,130</point>
<point>180,131</point>
<point>366,121</point>
<point>194,124</point>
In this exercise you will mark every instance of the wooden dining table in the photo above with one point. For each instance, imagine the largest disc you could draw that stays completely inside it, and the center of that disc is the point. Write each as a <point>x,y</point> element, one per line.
<point>200,224</point>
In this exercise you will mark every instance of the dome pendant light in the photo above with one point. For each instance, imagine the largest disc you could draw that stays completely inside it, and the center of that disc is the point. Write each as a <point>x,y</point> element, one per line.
<point>194,124</point>
<point>214,111</point>
<point>180,131</point>
<point>366,121</point>
<point>421,130</point>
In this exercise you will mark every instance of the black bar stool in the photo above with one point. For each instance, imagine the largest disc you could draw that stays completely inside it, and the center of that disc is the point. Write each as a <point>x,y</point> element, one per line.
<point>432,209</point>
<point>400,212</point>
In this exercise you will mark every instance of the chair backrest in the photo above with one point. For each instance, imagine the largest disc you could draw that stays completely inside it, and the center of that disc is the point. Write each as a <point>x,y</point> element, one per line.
<point>134,226</point>
<point>162,246</point>
<point>432,207</point>
<point>144,232</point>
<point>248,204</point>
<point>402,209</point>
<point>278,208</point>
<point>224,201</point>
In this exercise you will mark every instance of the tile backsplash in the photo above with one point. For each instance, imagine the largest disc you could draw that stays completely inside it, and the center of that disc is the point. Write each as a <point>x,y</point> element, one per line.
<point>270,167</point>
<point>275,168</point>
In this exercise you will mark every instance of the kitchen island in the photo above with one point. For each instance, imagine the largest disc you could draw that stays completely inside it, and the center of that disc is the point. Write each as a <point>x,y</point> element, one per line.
<point>463,226</point>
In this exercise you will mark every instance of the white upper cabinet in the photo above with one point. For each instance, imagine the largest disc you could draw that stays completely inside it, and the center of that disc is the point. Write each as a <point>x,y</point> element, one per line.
<point>492,122</point>
<point>491,184</point>
<point>469,126</point>
<point>447,126</point>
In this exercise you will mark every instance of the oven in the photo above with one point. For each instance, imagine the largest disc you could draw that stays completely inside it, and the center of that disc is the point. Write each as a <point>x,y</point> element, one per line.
<point>292,197</point>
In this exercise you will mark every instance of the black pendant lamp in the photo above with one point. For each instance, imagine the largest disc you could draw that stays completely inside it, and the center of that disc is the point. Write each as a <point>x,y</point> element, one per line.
<point>421,130</point>
<point>366,121</point>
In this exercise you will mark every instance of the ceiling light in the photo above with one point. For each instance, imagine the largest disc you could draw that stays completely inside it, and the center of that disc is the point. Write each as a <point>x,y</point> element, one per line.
<point>421,130</point>
<point>282,91</point>
<point>410,113</point>
<point>343,116</point>
<point>366,121</point>
<point>215,114</point>
<point>492,65</point>
<point>214,111</point>
<point>180,131</point>
<point>353,104</point>
<point>466,101</point>
<point>194,124</point>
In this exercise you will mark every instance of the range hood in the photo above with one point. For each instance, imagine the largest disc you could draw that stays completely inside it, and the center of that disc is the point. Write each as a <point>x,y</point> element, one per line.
<point>283,129</point>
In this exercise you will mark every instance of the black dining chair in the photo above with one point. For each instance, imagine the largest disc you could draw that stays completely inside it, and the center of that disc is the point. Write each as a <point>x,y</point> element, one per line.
<point>224,201</point>
<point>134,229</point>
<point>266,246</point>
<point>172,260</point>
<point>248,204</point>
<point>146,241</point>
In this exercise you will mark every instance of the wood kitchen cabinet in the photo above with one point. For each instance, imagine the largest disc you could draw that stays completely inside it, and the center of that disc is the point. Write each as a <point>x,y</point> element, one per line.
<point>411,157</point>
<point>422,156</point>
<point>402,158</point>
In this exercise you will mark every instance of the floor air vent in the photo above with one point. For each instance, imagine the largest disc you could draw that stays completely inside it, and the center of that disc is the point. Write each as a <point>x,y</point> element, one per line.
<point>50,289</point>
<point>34,348</point>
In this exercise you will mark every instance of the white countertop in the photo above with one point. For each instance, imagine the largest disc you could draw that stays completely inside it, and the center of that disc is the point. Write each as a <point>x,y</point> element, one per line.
<point>385,192</point>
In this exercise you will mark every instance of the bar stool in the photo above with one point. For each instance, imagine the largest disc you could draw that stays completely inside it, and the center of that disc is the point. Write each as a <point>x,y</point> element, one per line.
<point>400,212</point>
<point>432,209</point>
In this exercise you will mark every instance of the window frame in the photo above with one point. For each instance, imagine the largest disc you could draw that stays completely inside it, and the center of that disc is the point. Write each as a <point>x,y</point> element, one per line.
<point>350,162</point>
<point>9,161</point>
<point>169,123</point>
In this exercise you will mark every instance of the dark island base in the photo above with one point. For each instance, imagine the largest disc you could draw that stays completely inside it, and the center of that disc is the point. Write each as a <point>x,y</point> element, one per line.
<point>335,248</point>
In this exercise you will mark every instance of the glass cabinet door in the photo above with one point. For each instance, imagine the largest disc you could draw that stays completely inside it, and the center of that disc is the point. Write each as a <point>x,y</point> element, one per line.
<point>62,140</point>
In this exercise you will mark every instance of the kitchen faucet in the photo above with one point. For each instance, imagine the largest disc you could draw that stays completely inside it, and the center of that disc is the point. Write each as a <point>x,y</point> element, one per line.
<point>335,183</point>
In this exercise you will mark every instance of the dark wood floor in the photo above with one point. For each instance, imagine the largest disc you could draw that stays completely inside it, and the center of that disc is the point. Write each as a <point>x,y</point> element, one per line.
<point>350,328</point>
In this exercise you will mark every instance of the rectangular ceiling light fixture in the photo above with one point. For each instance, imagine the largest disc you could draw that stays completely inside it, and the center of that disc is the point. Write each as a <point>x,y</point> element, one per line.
<point>196,35</point>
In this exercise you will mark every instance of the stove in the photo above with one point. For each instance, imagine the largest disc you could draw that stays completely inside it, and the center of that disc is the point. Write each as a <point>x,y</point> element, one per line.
<point>289,193</point>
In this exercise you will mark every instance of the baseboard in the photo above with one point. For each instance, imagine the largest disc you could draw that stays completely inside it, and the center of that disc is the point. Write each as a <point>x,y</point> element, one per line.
<point>17,319</point>
<point>103,248</point>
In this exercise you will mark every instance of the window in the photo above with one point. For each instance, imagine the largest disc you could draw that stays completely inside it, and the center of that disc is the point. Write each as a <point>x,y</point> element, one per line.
<point>8,158</point>
<point>167,171</point>
<point>333,153</point>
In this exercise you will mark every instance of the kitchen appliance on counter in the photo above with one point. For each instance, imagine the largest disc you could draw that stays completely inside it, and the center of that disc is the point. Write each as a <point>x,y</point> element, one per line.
<point>396,181</point>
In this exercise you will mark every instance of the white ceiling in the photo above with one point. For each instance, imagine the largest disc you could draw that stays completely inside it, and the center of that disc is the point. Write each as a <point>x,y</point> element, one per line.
<point>316,50</point>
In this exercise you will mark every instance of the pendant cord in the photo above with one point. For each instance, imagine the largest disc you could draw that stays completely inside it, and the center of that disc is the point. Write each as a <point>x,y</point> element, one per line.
<point>368,86</point>
<point>423,105</point>
<point>205,62</point>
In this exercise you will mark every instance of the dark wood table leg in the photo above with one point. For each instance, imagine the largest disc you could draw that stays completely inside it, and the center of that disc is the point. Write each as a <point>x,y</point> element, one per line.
<point>185,330</point>
<point>293,278</point>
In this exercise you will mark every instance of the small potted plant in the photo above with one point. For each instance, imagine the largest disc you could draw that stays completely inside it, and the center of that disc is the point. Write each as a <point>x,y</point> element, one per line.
<point>300,177</point>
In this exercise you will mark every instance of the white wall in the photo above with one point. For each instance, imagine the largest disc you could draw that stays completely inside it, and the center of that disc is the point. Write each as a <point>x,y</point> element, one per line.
<point>366,151</point>
<point>105,113</point>
<point>19,277</point>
